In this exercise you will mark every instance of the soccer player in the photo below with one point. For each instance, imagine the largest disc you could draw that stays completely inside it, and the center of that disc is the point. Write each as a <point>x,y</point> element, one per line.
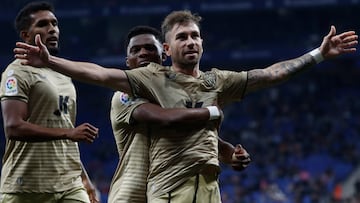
<point>184,169</point>
<point>42,161</point>
<point>130,119</point>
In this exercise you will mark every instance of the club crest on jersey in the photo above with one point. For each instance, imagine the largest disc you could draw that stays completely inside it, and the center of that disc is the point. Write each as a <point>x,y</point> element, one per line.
<point>125,99</point>
<point>209,79</point>
<point>11,87</point>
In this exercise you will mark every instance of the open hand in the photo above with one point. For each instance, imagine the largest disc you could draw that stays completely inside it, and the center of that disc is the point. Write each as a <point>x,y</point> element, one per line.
<point>334,45</point>
<point>37,56</point>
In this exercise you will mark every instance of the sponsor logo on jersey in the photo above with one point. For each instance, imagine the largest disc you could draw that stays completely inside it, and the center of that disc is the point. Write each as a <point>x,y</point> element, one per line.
<point>125,99</point>
<point>11,87</point>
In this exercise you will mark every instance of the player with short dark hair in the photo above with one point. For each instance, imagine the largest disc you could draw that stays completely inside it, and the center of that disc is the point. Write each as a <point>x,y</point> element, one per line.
<point>42,159</point>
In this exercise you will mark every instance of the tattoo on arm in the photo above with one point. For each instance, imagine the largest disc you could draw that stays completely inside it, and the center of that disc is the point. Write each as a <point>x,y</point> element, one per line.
<point>277,73</point>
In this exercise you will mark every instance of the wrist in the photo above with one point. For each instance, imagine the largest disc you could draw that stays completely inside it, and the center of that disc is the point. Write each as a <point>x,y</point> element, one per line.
<point>214,112</point>
<point>317,56</point>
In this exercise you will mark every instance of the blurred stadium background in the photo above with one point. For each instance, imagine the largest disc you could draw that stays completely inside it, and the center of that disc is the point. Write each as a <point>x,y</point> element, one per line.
<point>303,135</point>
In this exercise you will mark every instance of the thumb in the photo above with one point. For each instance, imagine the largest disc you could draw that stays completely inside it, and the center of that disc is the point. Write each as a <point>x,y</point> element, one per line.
<point>332,31</point>
<point>38,41</point>
<point>238,148</point>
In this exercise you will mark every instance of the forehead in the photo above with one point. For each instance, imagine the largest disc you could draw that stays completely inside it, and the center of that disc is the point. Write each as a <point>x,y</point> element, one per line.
<point>42,15</point>
<point>185,28</point>
<point>142,39</point>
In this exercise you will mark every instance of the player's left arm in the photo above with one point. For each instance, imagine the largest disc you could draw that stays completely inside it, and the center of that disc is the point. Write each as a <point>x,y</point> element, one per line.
<point>237,156</point>
<point>332,46</point>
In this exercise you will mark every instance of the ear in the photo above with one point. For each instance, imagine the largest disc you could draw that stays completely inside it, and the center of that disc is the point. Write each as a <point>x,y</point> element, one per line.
<point>167,49</point>
<point>127,62</point>
<point>24,36</point>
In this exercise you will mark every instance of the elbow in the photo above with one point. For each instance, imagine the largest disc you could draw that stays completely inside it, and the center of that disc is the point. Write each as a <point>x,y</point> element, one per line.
<point>12,131</point>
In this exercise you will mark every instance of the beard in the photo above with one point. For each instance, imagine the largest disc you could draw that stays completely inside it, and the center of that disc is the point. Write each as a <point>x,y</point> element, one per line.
<point>188,63</point>
<point>53,50</point>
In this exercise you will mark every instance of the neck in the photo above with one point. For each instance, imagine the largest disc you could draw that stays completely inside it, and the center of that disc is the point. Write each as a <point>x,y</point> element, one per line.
<point>192,70</point>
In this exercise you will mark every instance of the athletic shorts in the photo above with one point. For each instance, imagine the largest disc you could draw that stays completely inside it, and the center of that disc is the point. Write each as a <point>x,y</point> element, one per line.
<point>76,195</point>
<point>202,188</point>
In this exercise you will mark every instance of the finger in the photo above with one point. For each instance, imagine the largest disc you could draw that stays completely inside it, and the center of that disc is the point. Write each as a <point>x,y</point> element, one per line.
<point>20,51</point>
<point>92,130</point>
<point>239,162</point>
<point>239,146</point>
<point>349,50</point>
<point>349,45</point>
<point>38,41</point>
<point>242,155</point>
<point>348,39</point>
<point>89,140</point>
<point>332,32</point>
<point>24,45</point>
<point>347,34</point>
<point>21,56</point>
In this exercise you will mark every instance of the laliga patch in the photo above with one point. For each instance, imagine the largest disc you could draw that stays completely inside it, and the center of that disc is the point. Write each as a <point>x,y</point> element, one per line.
<point>125,99</point>
<point>11,86</point>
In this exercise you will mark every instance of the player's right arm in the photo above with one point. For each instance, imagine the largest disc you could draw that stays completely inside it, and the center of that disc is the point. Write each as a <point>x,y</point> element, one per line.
<point>39,56</point>
<point>167,117</point>
<point>16,126</point>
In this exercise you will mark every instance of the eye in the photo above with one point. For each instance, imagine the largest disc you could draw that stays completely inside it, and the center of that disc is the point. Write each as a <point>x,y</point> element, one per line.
<point>150,47</point>
<point>41,23</point>
<point>181,37</point>
<point>134,50</point>
<point>195,35</point>
<point>55,23</point>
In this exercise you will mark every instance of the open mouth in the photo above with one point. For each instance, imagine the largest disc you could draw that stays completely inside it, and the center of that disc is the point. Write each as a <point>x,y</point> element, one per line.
<point>144,63</point>
<point>52,41</point>
<point>191,52</point>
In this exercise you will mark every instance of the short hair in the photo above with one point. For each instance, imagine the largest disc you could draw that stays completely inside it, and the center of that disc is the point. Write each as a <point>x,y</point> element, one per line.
<point>23,19</point>
<point>142,29</point>
<point>182,17</point>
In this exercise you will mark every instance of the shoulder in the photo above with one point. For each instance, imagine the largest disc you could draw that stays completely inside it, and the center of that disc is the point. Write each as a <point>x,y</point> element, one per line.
<point>16,68</point>
<point>225,73</point>
<point>124,99</point>
<point>121,98</point>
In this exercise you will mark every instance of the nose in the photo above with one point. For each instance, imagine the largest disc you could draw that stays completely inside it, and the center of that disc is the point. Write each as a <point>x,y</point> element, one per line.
<point>190,42</point>
<point>52,29</point>
<point>143,52</point>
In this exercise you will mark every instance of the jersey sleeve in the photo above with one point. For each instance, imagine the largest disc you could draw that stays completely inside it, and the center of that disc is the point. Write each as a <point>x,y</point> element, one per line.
<point>15,83</point>
<point>232,83</point>
<point>122,107</point>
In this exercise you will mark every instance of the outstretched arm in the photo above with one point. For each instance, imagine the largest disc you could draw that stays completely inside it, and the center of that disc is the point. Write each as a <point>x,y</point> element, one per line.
<point>332,46</point>
<point>17,127</point>
<point>39,56</point>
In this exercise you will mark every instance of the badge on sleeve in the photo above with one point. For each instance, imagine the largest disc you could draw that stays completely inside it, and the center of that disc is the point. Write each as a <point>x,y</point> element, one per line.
<point>125,99</point>
<point>11,86</point>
